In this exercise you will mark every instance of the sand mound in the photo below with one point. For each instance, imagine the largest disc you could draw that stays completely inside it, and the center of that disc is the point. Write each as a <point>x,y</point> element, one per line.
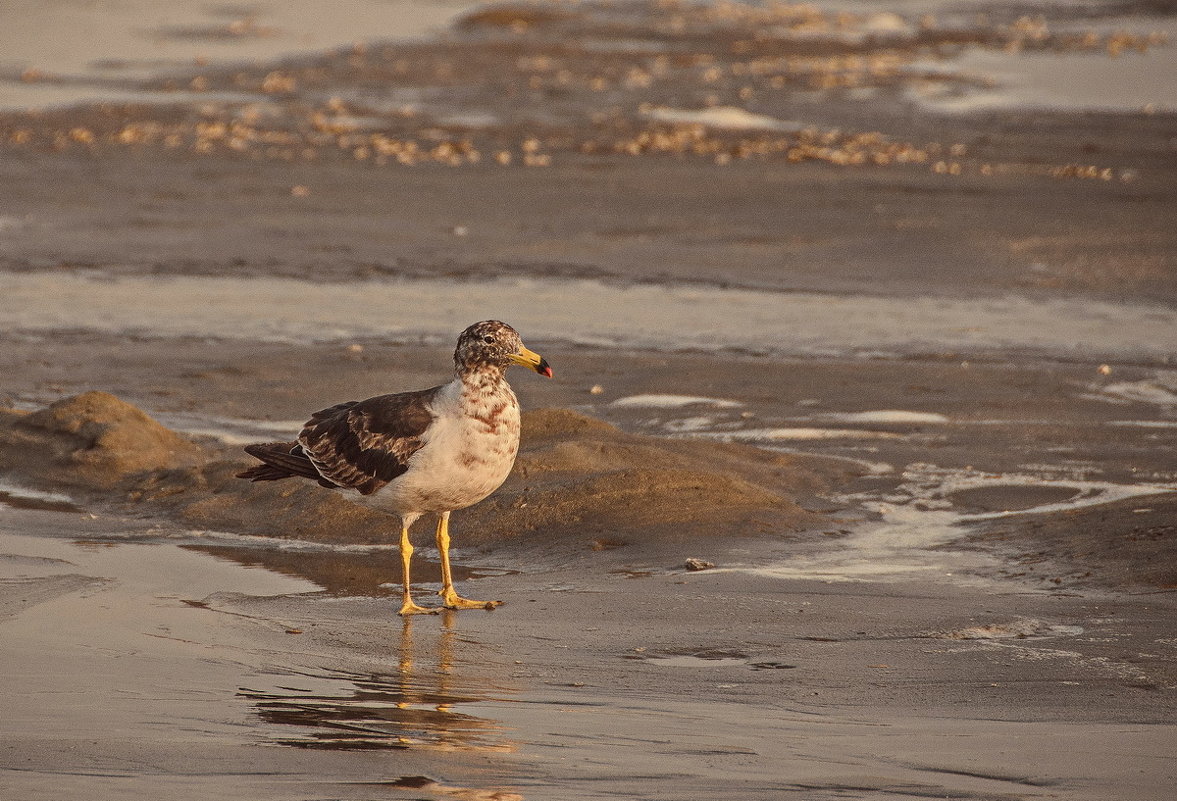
<point>575,476</point>
<point>575,472</point>
<point>90,440</point>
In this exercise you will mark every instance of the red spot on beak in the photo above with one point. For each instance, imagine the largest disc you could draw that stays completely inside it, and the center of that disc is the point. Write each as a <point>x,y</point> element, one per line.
<point>544,368</point>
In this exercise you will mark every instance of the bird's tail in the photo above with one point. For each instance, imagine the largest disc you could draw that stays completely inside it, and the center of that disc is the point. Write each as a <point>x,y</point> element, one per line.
<point>279,460</point>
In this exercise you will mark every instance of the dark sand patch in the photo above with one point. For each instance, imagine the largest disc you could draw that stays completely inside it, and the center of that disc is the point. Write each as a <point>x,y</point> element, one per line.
<point>1011,497</point>
<point>1125,544</point>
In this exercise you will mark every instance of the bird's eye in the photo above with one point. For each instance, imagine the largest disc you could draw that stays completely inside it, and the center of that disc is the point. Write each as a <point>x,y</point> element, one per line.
<point>488,339</point>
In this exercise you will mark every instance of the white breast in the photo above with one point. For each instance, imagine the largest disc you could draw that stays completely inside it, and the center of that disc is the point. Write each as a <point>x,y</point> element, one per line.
<point>468,451</point>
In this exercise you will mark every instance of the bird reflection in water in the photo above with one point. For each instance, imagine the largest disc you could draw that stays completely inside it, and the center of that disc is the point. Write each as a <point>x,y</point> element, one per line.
<point>423,705</point>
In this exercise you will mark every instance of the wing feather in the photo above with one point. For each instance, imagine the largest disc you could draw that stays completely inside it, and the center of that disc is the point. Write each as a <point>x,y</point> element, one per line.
<point>363,445</point>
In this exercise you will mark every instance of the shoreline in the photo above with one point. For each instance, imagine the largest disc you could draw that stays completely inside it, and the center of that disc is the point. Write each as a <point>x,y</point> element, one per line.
<point>596,314</point>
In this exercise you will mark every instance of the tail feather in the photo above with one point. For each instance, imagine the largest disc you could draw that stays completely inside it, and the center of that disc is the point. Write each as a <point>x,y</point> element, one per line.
<point>279,460</point>
<point>264,472</point>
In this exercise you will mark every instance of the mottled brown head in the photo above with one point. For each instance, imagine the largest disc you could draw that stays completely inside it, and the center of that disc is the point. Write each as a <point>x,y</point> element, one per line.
<point>492,344</point>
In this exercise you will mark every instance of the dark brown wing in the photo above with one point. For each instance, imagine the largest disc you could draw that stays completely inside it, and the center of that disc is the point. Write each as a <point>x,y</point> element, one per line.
<point>281,460</point>
<point>365,444</point>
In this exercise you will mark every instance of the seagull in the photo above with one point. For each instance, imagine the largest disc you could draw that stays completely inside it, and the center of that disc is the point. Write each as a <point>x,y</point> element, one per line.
<point>431,451</point>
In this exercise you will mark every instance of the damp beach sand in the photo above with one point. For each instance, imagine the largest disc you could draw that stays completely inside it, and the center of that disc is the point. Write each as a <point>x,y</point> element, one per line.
<point>856,479</point>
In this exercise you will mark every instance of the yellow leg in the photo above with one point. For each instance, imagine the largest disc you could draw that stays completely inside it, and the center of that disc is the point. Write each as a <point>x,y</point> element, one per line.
<point>449,596</point>
<point>407,606</point>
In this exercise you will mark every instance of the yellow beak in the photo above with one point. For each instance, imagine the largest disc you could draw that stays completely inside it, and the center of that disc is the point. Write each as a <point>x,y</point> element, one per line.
<point>529,358</point>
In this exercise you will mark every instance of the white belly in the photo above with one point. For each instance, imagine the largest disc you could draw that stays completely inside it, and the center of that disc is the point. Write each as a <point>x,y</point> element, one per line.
<point>462,461</point>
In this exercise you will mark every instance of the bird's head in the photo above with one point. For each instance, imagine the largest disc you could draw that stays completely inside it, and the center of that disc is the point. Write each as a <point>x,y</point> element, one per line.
<point>495,344</point>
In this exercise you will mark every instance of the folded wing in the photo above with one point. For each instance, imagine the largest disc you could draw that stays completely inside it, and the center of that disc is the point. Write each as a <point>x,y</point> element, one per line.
<point>363,445</point>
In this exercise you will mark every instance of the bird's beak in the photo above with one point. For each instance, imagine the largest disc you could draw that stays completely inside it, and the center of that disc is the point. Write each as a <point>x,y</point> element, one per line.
<point>529,358</point>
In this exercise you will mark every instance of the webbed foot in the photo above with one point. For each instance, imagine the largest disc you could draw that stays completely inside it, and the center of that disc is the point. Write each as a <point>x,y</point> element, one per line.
<point>451,600</point>
<point>410,608</point>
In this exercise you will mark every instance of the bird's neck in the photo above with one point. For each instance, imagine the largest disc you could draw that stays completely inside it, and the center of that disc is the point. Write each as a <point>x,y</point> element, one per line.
<point>485,396</point>
<point>484,379</point>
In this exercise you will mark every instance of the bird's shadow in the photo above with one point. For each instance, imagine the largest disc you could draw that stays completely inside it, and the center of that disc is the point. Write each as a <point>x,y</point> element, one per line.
<point>356,573</point>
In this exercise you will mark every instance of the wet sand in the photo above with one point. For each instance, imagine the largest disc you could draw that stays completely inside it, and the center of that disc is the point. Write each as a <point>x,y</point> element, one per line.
<point>931,468</point>
<point>613,669</point>
<point>589,683</point>
<point>187,669</point>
